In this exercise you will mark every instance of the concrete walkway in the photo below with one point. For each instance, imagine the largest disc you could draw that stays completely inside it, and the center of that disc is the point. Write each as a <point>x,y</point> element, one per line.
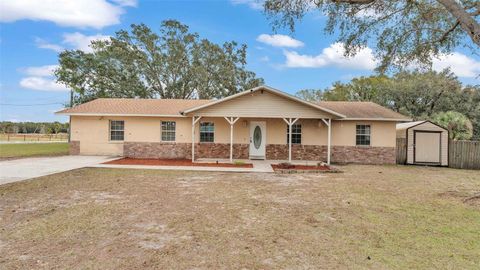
<point>25,168</point>
<point>259,166</point>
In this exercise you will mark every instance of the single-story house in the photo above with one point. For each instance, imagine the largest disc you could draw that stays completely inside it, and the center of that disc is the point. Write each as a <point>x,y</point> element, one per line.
<point>426,142</point>
<point>260,123</point>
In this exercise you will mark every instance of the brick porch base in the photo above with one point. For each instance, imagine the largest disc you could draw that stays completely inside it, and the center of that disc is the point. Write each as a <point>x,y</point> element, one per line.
<point>340,154</point>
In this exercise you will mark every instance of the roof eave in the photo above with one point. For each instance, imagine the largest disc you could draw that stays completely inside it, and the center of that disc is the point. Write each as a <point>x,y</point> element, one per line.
<point>119,114</point>
<point>376,119</point>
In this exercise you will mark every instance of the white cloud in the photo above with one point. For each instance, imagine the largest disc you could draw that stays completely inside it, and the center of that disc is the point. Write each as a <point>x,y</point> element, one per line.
<point>80,41</point>
<point>333,56</point>
<point>43,44</point>
<point>253,4</point>
<point>126,3</point>
<point>460,64</point>
<point>41,71</point>
<point>279,41</point>
<point>265,59</point>
<point>41,78</point>
<point>42,84</point>
<point>76,13</point>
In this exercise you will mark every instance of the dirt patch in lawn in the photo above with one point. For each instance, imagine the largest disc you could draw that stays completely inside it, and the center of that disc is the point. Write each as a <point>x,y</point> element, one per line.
<point>369,217</point>
<point>293,168</point>
<point>175,162</point>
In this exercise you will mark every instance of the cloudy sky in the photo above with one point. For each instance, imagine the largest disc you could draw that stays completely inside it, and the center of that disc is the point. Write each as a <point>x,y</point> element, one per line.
<point>32,33</point>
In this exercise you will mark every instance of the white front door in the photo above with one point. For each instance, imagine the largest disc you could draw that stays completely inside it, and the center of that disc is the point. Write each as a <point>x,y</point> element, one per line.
<point>258,138</point>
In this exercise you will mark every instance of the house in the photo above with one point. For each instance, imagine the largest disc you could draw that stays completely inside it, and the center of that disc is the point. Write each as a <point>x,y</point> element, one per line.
<point>260,123</point>
<point>426,143</point>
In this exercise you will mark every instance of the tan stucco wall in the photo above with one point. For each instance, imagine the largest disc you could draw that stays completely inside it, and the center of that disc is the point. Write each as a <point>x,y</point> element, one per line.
<point>92,132</point>
<point>262,103</point>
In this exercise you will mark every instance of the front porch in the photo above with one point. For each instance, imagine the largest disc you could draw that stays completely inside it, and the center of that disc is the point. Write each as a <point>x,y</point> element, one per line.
<point>279,139</point>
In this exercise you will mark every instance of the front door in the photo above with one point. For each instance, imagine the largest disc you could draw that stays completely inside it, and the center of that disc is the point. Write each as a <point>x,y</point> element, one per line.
<point>257,140</point>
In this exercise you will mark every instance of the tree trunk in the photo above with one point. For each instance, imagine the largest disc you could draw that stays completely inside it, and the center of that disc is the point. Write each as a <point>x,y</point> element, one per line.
<point>467,22</point>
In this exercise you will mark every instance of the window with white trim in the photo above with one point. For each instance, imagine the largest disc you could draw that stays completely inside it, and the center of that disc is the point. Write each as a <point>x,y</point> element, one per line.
<point>168,131</point>
<point>207,132</point>
<point>117,130</point>
<point>296,134</point>
<point>363,135</point>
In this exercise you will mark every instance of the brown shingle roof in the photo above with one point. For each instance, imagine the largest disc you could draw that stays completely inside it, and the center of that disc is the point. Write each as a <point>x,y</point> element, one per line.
<point>128,106</point>
<point>361,110</point>
<point>173,107</point>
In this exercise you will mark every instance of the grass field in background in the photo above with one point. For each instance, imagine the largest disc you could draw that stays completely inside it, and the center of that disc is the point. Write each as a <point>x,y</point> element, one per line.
<point>33,149</point>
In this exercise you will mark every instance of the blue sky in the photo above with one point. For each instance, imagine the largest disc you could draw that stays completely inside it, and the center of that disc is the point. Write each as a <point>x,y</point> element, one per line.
<point>33,32</point>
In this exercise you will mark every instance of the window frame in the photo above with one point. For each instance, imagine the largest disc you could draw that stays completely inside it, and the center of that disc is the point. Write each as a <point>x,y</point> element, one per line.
<point>206,132</point>
<point>365,135</point>
<point>298,135</point>
<point>110,130</point>
<point>168,133</point>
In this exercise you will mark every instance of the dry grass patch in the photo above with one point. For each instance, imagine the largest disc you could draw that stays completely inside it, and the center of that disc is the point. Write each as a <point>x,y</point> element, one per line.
<point>368,217</point>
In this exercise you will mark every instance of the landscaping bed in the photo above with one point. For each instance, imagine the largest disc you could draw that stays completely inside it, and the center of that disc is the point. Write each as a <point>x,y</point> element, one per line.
<point>175,162</point>
<point>293,168</point>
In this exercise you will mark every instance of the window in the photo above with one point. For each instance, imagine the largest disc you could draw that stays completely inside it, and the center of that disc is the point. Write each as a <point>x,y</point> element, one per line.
<point>116,130</point>
<point>207,132</point>
<point>168,131</point>
<point>296,134</point>
<point>363,134</point>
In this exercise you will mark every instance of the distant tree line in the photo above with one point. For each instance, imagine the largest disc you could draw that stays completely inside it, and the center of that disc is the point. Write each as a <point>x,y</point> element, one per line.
<point>33,127</point>
<point>437,96</point>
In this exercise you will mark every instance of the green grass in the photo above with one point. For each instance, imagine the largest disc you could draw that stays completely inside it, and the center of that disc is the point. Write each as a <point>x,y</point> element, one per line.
<point>33,149</point>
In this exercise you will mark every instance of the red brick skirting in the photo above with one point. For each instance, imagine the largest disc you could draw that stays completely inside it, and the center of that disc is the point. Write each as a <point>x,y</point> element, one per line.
<point>74,148</point>
<point>340,154</point>
<point>220,150</point>
<point>162,150</point>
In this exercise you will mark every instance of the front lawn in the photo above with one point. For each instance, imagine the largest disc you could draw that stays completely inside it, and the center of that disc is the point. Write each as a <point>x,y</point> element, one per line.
<point>32,149</point>
<point>380,217</point>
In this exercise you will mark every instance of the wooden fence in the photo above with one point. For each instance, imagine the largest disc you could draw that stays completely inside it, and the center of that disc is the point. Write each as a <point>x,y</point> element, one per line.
<point>462,154</point>
<point>17,137</point>
<point>401,150</point>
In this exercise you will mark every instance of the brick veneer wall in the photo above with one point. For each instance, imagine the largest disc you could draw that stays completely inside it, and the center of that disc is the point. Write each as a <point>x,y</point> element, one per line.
<point>157,150</point>
<point>221,150</point>
<point>363,155</point>
<point>183,150</point>
<point>340,154</point>
<point>74,148</point>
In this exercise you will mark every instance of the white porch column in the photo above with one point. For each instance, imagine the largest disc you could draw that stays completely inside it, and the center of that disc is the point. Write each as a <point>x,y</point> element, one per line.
<point>195,119</point>
<point>290,123</point>
<point>231,121</point>
<point>329,125</point>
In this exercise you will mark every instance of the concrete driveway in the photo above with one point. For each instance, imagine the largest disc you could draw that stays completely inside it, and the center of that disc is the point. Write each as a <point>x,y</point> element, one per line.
<point>25,168</point>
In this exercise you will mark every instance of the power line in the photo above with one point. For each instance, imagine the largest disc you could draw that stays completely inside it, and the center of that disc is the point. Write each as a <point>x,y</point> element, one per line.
<point>38,104</point>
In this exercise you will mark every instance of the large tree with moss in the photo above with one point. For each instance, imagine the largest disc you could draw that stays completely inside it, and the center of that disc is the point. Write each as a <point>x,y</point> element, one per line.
<point>402,32</point>
<point>174,63</point>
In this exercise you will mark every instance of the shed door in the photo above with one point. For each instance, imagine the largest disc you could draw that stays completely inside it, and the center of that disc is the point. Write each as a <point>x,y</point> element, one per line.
<point>427,147</point>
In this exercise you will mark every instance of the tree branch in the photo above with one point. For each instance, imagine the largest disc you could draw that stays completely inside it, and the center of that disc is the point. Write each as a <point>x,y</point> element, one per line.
<point>466,21</point>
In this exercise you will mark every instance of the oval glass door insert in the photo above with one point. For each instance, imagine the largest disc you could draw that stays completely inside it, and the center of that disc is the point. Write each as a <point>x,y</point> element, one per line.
<point>257,137</point>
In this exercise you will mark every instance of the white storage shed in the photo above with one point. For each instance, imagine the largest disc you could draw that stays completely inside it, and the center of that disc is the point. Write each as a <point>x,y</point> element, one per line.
<point>426,142</point>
